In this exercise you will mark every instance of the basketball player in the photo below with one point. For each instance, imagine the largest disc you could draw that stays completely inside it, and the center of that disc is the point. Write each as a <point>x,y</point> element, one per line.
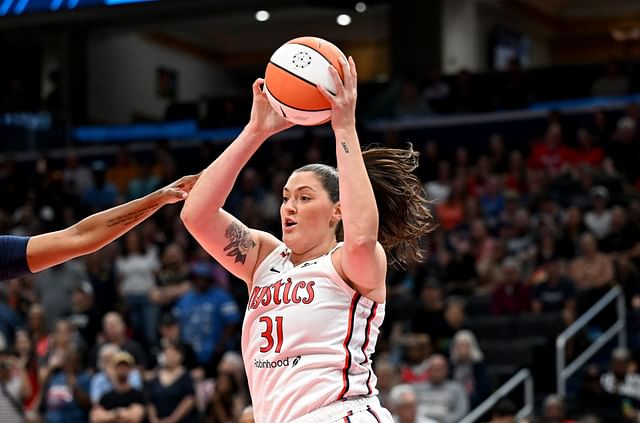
<point>22,255</point>
<point>316,304</point>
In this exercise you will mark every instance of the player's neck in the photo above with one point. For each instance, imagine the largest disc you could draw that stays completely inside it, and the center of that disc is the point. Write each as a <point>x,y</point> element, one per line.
<point>314,252</point>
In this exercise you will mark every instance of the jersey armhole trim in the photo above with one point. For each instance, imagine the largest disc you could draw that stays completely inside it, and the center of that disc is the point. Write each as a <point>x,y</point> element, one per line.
<point>260,268</point>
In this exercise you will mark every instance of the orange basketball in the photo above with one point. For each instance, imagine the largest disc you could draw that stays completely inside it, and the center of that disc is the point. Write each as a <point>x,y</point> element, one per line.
<point>293,74</point>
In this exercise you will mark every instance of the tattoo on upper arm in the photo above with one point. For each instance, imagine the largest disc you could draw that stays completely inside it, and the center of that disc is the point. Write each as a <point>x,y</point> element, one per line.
<point>240,242</point>
<point>344,146</point>
<point>131,217</point>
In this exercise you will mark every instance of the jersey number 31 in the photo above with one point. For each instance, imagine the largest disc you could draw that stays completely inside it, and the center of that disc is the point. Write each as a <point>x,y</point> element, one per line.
<point>268,334</point>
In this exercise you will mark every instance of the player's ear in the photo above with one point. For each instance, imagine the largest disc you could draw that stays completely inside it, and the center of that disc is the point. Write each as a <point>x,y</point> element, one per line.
<point>337,214</point>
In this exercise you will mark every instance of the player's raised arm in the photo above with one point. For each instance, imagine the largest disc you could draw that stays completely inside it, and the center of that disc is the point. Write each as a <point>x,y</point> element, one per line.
<point>228,240</point>
<point>96,231</point>
<point>363,259</point>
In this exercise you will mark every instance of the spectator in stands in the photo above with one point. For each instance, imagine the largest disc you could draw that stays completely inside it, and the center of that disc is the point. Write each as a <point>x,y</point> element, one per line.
<point>114,332</point>
<point>170,334</point>
<point>551,155</point>
<point>498,154</point>
<point>232,364</point>
<point>9,320</point>
<point>460,271</point>
<point>171,394</point>
<point>101,275</point>
<point>479,176</point>
<point>467,366</point>
<point>619,380</point>
<point>136,269</point>
<point>489,269</point>
<point>84,316</point>
<point>415,366</point>
<point>591,269</point>
<point>436,94</point>
<point>76,177</point>
<point>568,242</point>
<point>516,176</point>
<point>38,330</point>
<point>556,293</point>
<point>428,314</point>
<point>622,235</point>
<point>222,401</point>
<point>601,127</point>
<point>208,318</point>
<point>19,296</point>
<point>66,391</point>
<point>123,404</point>
<point>164,164</point>
<point>520,239</point>
<point>54,288</point>
<point>612,83</point>
<point>428,168</point>
<point>101,382</point>
<point>482,243</point>
<point>441,399</point>
<point>598,219</point>
<point>461,161</point>
<point>546,248</point>
<point>587,153</point>
<point>62,343</point>
<point>512,295</point>
<point>450,212</point>
<point>623,149</point>
<point>102,195</point>
<point>403,405</point>
<point>504,412</point>
<point>548,216</point>
<point>23,346</point>
<point>553,410</point>
<point>145,183</point>
<point>16,388</point>
<point>592,398</point>
<point>438,190</point>
<point>492,201</point>
<point>388,377</point>
<point>454,316</point>
<point>249,186</point>
<point>409,104</point>
<point>172,280</point>
<point>124,170</point>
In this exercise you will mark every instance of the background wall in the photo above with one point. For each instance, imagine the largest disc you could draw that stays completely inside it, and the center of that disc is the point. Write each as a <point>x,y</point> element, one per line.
<point>122,77</point>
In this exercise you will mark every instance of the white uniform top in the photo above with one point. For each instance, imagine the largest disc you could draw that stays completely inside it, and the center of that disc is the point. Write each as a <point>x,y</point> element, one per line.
<point>307,338</point>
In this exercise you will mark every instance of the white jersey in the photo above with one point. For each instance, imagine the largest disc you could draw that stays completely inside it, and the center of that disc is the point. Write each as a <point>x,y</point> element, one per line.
<point>307,338</point>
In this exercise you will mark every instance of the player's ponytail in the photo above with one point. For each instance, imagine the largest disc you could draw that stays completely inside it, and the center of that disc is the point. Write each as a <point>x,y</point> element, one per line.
<point>402,206</point>
<point>404,218</point>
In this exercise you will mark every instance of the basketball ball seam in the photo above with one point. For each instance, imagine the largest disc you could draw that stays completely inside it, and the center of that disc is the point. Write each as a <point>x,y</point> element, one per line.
<point>293,74</point>
<point>293,107</point>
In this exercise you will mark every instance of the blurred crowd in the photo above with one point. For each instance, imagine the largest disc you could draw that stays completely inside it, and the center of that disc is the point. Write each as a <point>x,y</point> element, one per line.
<point>149,327</point>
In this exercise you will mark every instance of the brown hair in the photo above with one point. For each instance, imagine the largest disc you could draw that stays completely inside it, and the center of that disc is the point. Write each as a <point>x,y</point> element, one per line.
<point>402,206</point>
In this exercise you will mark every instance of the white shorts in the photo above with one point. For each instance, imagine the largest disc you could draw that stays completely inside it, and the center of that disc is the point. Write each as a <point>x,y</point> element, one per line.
<point>360,410</point>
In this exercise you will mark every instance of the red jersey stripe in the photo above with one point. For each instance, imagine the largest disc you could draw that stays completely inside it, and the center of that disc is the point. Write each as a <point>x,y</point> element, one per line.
<point>347,339</point>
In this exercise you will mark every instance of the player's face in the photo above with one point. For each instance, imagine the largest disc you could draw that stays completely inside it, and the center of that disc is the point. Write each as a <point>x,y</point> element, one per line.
<point>307,214</point>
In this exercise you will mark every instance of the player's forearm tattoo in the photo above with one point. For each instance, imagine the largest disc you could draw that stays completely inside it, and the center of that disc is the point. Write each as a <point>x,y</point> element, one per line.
<point>131,217</point>
<point>240,242</point>
<point>344,146</point>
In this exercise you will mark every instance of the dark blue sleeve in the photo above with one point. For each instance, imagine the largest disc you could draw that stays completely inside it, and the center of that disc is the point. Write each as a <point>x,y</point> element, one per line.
<point>13,256</point>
